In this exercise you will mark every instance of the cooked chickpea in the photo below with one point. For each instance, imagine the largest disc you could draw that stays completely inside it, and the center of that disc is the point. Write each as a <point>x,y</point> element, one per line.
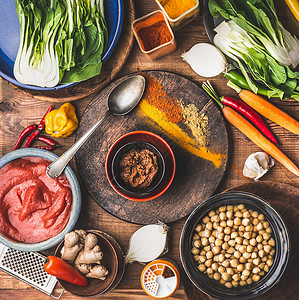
<point>208,263</point>
<point>266,236</point>
<point>211,213</point>
<point>256,270</point>
<point>236,277</point>
<point>242,260</point>
<point>237,221</point>
<point>220,235</point>
<point>267,248</point>
<point>204,241</point>
<point>225,246</point>
<point>221,258</point>
<point>207,248</point>
<point>209,226</point>
<point>206,219</point>
<point>216,249</point>
<point>217,276</point>
<point>196,243</point>
<point>227,230</point>
<point>245,242</point>
<point>259,238</point>
<point>261,217</point>
<point>238,214</point>
<point>202,258</point>
<point>222,208</point>
<point>212,239</point>
<point>229,214</point>
<point>261,253</point>
<point>225,276</point>
<point>249,281</point>
<point>239,240</point>
<point>209,255</point>
<point>226,238</point>
<point>218,242</point>
<point>235,283</point>
<point>228,285</point>
<point>237,254</point>
<point>198,228</point>
<point>256,278</point>
<point>269,230</point>
<point>215,218</point>
<point>209,271</point>
<point>245,222</point>
<point>246,273</point>
<point>240,268</point>
<point>246,255</point>
<point>249,248</point>
<point>232,243</point>
<point>247,235</point>
<point>230,223</point>
<point>269,262</point>
<point>249,266</point>
<point>255,221</point>
<point>202,268</point>
<point>271,242</point>
<point>225,263</point>
<point>215,266</point>
<point>221,269</point>
<point>241,228</point>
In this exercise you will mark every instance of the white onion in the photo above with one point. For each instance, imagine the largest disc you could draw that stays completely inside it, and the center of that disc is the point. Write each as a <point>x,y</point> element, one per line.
<point>147,243</point>
<point>206,60</point>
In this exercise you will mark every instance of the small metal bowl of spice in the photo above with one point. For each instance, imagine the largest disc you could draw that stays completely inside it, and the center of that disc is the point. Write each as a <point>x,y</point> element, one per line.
<point>154,35</point>
<point>140,166</point>
<point>179,12</point>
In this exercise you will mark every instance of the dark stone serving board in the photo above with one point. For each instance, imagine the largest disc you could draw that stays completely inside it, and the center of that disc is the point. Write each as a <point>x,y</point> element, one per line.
<point>196,178</point>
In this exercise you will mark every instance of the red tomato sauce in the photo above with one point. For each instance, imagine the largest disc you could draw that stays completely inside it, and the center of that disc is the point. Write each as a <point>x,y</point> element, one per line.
<point>33,206</point>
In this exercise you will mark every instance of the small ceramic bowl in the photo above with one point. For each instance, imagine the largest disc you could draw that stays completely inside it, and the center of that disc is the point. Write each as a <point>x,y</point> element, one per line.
<point>279,232</point>
<point>76,204</point>
<point>141,140</point>
<point>112,260</point>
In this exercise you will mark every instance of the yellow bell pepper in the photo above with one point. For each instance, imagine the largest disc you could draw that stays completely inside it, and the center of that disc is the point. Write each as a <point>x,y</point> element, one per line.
<point>61,122</point>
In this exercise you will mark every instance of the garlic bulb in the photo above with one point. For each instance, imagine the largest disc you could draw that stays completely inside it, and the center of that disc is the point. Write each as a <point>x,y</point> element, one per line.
<point>147,243</point>
<point>206,60</point>
<point>257,164</point>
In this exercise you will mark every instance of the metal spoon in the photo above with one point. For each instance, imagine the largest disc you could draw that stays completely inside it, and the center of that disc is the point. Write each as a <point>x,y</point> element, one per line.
<point>122,99</point>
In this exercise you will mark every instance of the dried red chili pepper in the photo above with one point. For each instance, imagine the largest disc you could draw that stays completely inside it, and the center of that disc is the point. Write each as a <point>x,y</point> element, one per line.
<point>40,127</point>
<point>23,135</point>
<point>250,114</point>
<point>46,140</point>
<point>61,269</point>
<point>49,148</point>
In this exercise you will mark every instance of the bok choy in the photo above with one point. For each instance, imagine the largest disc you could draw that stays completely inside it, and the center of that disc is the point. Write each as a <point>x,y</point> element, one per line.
<point>61,41</point>
<point>258,42</point>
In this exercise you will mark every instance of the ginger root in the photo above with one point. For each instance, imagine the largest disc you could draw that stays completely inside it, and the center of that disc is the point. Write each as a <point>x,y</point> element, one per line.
<point>82,250</point>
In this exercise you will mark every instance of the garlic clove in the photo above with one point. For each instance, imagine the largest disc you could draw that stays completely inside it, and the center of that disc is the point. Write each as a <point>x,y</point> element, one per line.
<point>206,60</point>
<point>257,165</point>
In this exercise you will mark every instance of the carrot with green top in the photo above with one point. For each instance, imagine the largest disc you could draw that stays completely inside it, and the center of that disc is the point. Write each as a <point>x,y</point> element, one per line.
<point>251,132</point>
<point>267,109</point>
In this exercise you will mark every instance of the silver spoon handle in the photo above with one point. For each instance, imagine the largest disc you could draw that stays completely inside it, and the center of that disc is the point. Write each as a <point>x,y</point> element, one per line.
<point>57,167</point>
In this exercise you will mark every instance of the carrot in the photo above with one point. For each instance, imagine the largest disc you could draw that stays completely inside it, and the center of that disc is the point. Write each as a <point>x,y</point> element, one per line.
<point>255,136</point>
<point>251,132</point>
<point>267,109</point>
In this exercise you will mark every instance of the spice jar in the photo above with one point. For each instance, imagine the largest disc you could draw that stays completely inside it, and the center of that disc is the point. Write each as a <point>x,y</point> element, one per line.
<point>160,278</point>
<point>179,12</point>
<point>154,35</point>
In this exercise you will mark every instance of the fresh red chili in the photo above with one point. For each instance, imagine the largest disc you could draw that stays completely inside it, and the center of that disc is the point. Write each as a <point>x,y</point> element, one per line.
<point>46,140</point>
<point>49,148</point>
<point>23,135</point>
<point>40,127</point>
<point>250,114</point>
<point>62,270</point>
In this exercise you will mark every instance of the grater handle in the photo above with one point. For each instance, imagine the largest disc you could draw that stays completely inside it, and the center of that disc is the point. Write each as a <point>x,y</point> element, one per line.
<point>59,296</point>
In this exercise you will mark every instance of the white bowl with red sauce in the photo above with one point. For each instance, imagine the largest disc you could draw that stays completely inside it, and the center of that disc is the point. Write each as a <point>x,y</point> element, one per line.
<point>41,194</point>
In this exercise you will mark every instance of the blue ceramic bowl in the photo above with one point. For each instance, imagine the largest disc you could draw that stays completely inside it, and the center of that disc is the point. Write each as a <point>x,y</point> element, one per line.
<point>76,206</point>
<point>10,37</point>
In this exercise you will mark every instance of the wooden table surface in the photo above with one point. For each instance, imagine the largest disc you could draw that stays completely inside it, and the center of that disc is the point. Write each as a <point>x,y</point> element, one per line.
<point>18,111</point>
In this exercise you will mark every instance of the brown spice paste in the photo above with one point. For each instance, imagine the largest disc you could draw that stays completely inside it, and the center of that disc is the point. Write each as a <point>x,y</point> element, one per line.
<point>139,168</point>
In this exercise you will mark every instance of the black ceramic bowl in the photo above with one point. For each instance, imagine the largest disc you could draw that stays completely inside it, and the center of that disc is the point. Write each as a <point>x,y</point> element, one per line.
<point>165,159</point>
<point>279,232</point>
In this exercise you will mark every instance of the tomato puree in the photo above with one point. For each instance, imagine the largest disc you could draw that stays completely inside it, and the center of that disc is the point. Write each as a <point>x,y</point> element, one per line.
<point>33,206</point>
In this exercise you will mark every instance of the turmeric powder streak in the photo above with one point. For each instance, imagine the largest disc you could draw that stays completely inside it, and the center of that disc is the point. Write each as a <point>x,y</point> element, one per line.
<point>178,134</point>
<point>175,8</point>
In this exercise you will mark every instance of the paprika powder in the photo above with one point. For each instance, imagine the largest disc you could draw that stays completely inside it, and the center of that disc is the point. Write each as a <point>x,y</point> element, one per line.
<point>154,35</point>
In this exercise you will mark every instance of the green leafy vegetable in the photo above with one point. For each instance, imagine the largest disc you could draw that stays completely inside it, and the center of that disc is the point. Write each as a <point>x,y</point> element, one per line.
<point>258,42</point>
<point>61,41</point>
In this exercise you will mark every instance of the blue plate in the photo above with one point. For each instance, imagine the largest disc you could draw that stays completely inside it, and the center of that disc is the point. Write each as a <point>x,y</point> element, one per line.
<point>10,38</point>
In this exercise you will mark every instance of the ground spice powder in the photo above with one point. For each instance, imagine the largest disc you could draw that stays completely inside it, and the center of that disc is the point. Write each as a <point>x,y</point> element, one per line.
<point>168,112</point>
<point>175,8</point>
<point>155,95</point>
<point>154,35</point>
<point>179,135</point>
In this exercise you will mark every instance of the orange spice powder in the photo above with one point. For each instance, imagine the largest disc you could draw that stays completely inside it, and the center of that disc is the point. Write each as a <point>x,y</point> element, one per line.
<point>155,95</point>
<point>167,112</point>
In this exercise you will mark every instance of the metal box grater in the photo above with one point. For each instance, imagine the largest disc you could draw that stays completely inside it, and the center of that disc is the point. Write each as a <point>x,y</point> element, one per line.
<point>27,267</point>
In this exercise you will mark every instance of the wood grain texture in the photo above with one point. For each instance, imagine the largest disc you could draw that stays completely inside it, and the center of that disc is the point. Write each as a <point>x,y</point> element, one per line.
<point>109,70</point>
<point>192,183</point>
<point>282,197</point>
<point>18,110</point>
